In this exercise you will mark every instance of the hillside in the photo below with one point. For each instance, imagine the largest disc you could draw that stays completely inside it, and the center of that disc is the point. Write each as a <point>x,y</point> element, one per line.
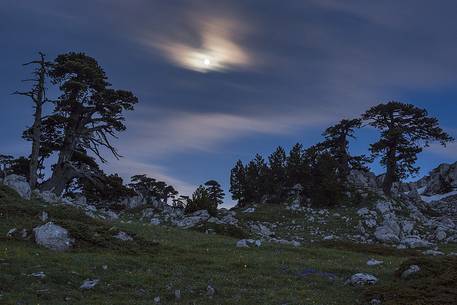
<point>167,265</point>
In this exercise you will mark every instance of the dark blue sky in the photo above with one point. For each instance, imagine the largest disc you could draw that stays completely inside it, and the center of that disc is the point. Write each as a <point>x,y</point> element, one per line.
<point>222,80</point>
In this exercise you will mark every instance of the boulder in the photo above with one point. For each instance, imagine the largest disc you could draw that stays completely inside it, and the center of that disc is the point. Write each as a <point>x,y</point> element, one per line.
<point>121,235</point>
<point>53,237</point>
<point>362,279</point>
<point>410,271</point>
<point>414,241</point>
<point>388,233</point>
<point>19,184</point>
<point>374,262</point>
<point>89,284</point>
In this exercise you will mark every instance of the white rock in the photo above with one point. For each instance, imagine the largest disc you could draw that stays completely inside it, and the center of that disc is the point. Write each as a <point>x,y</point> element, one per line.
<point>40,275</point>
<point>386,235</point>
<point>11,232</point>
<point>193,219</point>
<point>53,237</point>
<point>19,184</point>
<point>362,279</point>
<point>89,284</point>
<point>414,241</point>
<point>246,243</point>
<point>155,221</point>
<point>363,211</point>
<point>411,270</point>
<point>157,300</point>
<point>177,294</point>
<point>121,235</point>
<point>432,253</point>
<point>210,291</point>
<point>374,262</point>
<point>249,210</point>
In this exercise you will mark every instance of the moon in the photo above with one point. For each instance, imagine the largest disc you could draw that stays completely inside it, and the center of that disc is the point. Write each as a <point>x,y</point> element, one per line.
<point>207,61</point>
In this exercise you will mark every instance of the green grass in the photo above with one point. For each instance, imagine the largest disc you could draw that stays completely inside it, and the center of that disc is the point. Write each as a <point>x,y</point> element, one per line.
<point>163,259</point>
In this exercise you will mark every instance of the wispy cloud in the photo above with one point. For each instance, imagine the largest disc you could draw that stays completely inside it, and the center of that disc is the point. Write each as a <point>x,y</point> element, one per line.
<point>127,167</point>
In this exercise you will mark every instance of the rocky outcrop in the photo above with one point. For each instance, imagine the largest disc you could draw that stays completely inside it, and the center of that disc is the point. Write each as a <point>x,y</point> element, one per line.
<point>19,184</point>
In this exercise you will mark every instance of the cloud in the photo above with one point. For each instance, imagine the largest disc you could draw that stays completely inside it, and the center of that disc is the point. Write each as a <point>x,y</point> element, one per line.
<point>217,50</point>
<point>127,167</point>
<point>157,137</point>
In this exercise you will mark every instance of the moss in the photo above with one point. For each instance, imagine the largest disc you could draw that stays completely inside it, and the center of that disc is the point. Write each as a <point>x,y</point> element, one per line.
<point>434,284</point>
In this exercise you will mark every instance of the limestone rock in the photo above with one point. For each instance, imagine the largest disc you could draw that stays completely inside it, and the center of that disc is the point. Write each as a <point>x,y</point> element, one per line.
<point>410,271</point>
<point>19,184</point>
<point>53,237</point>
<point>362,279</point>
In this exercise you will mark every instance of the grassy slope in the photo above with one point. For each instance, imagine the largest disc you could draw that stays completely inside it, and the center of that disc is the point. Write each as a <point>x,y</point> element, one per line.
<point>164,259</point>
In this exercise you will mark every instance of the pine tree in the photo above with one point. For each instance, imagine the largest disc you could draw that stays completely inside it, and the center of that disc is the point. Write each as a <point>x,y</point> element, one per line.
<point>238,183</point>
<point>296,169</point>
<point>215,193</point>
<point>337,143</point>
<point>86,115</point>
<point>200,201</point>
<point>256,179</point>
<point>405,131</point>
<point>276,180</point>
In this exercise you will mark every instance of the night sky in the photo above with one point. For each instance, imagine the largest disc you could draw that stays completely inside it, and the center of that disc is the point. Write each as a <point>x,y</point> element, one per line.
<point>222,80</point>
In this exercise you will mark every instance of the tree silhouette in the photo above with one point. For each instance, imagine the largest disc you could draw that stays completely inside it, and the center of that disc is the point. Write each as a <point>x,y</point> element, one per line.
<point>405,131</point>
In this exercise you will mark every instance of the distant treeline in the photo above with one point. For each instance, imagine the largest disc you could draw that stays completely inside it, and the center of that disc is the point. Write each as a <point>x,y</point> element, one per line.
<point>320,173</point>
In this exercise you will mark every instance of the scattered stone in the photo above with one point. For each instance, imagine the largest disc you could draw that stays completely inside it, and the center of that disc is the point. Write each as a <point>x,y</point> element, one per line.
<point>123,236</point>
<point>374,262</point>
<point>39,275</point>
<point>178,294</point>
<point>246,243</point>
<point>53,237</point>
<point>89,284</point>
<point>362,279</point>
<point>193,219</point>
<point>432,253</point>
<point>414,241</point>
<point>385,234</point>
<point>155,221</point>
<point>11,232</point>
<point>410,271</point>
<point>210,291</point>
<point>375,302</point>
<point>249,210</point>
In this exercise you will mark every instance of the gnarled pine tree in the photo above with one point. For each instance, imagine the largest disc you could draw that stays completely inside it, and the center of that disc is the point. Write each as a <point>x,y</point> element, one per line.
<point>86,115</point>
<point>405,131</point>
